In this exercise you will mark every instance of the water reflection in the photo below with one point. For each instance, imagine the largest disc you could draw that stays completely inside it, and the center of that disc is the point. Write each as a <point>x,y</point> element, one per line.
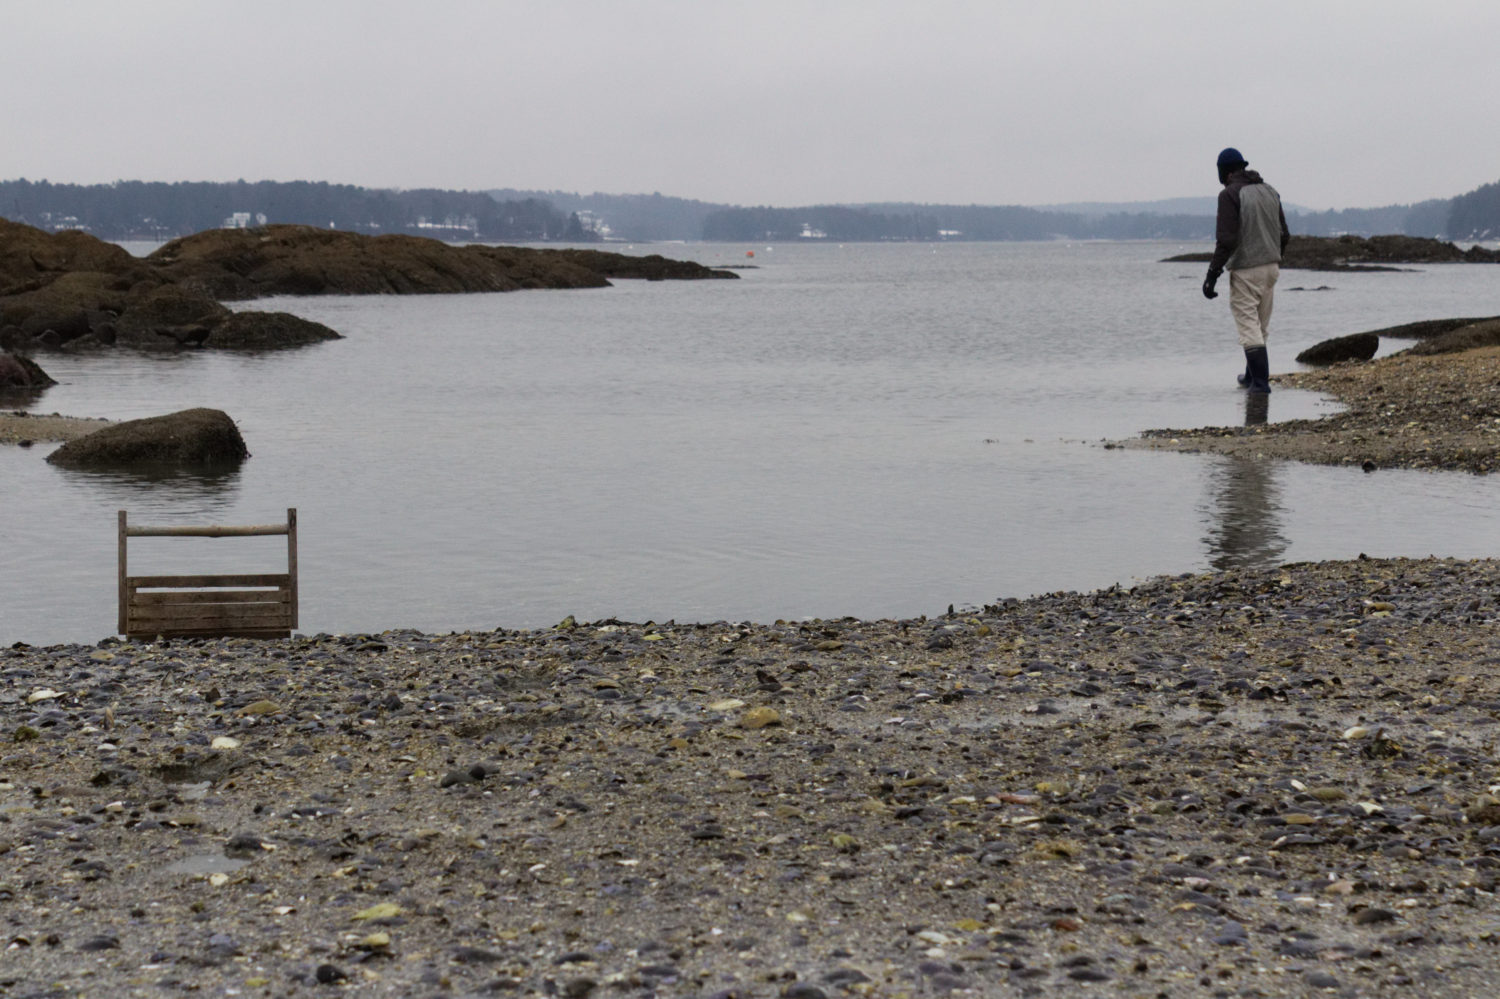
<point>18,398</point>
<point>1257,408</point>
<point>1245,518</point>
<point>162,487</point>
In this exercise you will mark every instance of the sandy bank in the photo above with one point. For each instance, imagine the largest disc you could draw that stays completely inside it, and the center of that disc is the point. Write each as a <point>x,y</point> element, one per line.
<point>18,427</point>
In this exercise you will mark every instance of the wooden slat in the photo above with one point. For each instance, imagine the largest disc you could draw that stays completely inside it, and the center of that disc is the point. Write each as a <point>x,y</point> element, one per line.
<point>123,590</point>
<point>225,615</point>
<point>177,598</point>
<point>211,632</point>
<point>210,531</point>
<point>188,582</point>
<point>291,558</point>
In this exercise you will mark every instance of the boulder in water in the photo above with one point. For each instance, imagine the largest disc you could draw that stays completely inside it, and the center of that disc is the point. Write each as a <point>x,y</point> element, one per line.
<point>199,438</point>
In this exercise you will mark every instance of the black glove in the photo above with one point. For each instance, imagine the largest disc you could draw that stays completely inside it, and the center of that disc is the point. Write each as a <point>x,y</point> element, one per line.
<point>1208,285</point>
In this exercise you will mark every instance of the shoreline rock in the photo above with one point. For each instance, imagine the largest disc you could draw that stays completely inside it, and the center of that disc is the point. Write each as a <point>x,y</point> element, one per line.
<point>1364,253</point>
<point>193,438</point>
<point>71,291</point>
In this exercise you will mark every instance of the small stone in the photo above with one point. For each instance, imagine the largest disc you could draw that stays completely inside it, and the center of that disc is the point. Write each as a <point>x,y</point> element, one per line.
<point>244,845</point>
<point>578,988</point>
<point>330,974</point>
<point>259,708</point>
<point>1367,917</point>
<point>803,990</point>
<point>760,718</point>
<point>381,910</point>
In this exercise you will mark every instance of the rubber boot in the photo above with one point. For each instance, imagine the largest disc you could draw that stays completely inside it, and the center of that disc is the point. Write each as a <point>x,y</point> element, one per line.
<point>1245,378</point>
<point>1260,369</point>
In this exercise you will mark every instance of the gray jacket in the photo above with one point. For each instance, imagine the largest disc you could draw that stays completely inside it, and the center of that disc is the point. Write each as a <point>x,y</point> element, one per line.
<point>1251,227</point>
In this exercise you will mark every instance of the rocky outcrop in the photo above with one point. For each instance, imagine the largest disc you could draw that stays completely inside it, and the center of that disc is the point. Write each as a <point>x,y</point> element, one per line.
<point>17,372</point>
<point>1354,347</point>
<point>229,264</point>
<point>262,331</point>
<point>31,258</point>
<point>73,292</point>
<point>653,267</point>
<point>110,298</point>
<point>1426,329</point>
<point>1361,253</point>
<point>1485,333</point>
<point>195,438</point>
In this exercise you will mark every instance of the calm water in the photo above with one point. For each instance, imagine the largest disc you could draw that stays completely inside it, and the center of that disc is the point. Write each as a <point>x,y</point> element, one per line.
<point>871,430</point>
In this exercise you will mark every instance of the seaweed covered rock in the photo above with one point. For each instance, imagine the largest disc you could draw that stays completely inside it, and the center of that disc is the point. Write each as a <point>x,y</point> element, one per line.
<point>65,308</point>
<point>1365,253</point>
<point>266,331</point>
<point>1485,333</point>
<point>653,267</point>
<point>230,264</point>
<point>1354,347</point>
<point>73,292</point>
<point>31,259</point>
<point>22,372</point>
<point>199,438</point>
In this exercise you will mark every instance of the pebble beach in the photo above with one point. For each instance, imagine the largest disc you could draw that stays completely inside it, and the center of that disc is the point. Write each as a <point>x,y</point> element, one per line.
<point>1275,782</point>
<point>1245,783</point>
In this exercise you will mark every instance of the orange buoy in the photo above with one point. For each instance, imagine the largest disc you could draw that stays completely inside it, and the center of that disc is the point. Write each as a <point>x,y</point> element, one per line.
<point>749,253</point>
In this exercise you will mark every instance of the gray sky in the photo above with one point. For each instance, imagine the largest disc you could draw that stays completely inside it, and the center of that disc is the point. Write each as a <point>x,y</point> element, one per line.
<point>1339,103</point>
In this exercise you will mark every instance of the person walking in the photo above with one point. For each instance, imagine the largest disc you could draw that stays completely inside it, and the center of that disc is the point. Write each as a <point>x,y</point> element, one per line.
<point>1250,237</point>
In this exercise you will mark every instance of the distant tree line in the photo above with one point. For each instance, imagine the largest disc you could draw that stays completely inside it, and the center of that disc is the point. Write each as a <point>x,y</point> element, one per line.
<point>1426,218</point>
<point>138,209</point>
<point>1476,215</point>
<point>646,217</point>
<point>934,222</point>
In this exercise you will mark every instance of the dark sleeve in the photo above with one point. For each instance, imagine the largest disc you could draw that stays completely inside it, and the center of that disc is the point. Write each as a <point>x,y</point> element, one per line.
<point>1286,234</point>
<point>1227,232</point>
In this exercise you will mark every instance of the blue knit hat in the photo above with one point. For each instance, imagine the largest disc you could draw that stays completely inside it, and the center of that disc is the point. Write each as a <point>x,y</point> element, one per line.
<point>1231,158</point>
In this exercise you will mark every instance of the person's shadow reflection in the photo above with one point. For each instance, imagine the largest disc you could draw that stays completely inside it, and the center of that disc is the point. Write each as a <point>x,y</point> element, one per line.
<point>1257,408</point>
<point>1244,529</point>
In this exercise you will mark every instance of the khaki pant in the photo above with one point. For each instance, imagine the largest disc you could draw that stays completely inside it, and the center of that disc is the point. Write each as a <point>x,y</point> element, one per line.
<point>1251,291</point>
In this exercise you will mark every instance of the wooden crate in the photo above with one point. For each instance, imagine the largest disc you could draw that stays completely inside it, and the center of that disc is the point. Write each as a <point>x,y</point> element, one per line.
<point>253,605</point>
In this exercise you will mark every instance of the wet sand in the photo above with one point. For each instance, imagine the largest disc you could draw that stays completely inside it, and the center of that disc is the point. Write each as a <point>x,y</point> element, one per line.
<point>20,428</point>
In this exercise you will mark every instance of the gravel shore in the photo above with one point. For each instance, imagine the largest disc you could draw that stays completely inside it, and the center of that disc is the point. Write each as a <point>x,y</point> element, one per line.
<point>1250,783</point>
<point>1402,411</point>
